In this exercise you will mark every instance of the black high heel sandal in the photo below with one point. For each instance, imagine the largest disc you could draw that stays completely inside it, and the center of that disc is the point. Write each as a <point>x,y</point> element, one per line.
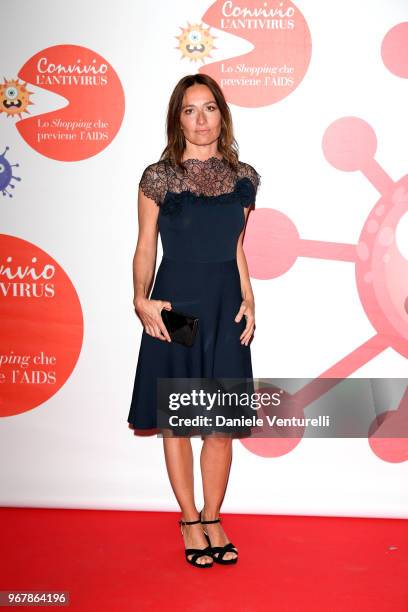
<point>218,552</point>
<point>196,552</point>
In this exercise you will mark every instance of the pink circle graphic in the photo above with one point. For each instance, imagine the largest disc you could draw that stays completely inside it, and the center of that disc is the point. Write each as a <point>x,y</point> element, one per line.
<point>394,50</point>
<point>276,441</point>
<point>271,243</point>
<point>348,143</point>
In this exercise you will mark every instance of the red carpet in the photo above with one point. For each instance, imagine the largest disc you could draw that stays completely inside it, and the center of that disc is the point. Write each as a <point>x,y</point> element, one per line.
<point>119,561</point>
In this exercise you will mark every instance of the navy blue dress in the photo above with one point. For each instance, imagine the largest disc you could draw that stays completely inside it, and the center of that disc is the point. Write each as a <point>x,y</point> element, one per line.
<point>201,216</point>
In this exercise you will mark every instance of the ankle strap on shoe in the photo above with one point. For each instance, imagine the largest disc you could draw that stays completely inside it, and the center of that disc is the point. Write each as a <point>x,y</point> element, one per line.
<point>189,522</point>
<point>218,520</point>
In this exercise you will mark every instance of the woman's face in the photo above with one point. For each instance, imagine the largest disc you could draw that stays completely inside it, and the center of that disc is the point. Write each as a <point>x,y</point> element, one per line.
<point>200,116</point>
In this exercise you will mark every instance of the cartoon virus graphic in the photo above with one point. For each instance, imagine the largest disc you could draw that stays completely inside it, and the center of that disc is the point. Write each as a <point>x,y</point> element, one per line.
<point>380,258</point>
<point>381,269</point>
<point>196,42</point>
<point>14,98</point>
<point>6,174</point>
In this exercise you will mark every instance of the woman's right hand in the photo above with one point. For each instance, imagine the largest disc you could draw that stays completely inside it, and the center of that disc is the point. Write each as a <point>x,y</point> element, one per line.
<point>149,312</point>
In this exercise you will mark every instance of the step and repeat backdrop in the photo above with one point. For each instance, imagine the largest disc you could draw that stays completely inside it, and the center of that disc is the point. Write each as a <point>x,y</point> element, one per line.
<point>318,92</point>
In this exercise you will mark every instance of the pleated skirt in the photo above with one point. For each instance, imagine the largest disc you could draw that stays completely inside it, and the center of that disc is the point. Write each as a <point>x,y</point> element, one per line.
<point>212,292</point>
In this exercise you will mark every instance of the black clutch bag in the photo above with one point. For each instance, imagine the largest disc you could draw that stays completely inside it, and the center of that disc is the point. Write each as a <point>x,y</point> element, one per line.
<point>182,327</point>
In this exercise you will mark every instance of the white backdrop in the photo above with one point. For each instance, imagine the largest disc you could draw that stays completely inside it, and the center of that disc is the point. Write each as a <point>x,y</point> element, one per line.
<point>75,450</point>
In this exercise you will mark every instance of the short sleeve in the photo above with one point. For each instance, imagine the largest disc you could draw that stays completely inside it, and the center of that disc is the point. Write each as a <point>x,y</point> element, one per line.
<point>246,171</point>
<point>153,182</point>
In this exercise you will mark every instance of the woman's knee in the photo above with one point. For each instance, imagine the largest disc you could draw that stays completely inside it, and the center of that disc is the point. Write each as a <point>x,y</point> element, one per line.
<point>218,441</point>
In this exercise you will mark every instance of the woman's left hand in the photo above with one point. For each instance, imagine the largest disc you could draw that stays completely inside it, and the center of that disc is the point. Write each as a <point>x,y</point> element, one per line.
<point>247,309</point>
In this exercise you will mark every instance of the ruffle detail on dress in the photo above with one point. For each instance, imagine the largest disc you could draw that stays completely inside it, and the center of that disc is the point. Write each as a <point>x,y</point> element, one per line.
<point>172,203</point>
<point>244,193</point>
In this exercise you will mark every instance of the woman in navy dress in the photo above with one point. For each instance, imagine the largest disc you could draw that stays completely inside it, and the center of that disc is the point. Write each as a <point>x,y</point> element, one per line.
<point>198,197</point>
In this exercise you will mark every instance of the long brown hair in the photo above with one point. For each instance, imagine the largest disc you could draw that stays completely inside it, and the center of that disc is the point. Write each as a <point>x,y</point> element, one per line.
<point>176,142</point>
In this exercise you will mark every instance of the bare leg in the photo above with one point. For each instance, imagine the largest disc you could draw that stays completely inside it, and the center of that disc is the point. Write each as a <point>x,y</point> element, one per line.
<point>216,457</point>
<point>179,462</point>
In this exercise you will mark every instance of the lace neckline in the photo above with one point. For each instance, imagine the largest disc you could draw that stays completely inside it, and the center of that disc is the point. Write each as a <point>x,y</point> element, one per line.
<point>204,161</point>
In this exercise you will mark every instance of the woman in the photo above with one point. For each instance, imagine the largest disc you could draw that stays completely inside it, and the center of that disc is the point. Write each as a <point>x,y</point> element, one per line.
<point>198,196</point>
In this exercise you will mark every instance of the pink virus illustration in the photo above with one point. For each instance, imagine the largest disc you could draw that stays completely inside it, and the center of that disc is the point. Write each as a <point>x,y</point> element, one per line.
<point>380,258</point>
